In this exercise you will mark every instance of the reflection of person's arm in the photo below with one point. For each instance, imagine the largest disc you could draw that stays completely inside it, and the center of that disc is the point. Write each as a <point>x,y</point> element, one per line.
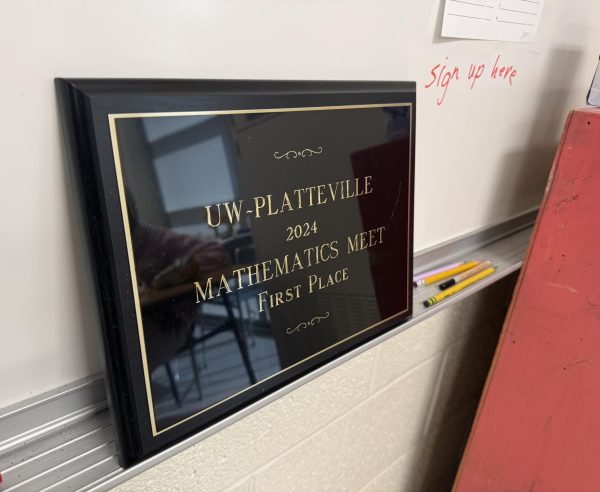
<point>184,257</point>
<point>210,256</point>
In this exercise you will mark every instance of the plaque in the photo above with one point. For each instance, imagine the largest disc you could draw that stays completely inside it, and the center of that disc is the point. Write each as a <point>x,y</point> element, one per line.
<point>242,235</point>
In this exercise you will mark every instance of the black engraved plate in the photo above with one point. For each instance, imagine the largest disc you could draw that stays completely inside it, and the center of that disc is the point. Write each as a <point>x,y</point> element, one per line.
<point>243,233</point>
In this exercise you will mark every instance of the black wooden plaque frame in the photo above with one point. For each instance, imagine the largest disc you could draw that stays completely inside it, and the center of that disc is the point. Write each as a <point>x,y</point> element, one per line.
<point>91,109</point>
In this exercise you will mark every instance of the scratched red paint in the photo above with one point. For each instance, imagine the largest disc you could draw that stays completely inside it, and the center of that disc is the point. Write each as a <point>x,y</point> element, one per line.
<point>443,75</point>
<point>538,425</point>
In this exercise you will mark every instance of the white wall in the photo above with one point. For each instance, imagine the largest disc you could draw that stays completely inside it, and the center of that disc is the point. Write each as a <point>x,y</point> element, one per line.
<point>495,142</point>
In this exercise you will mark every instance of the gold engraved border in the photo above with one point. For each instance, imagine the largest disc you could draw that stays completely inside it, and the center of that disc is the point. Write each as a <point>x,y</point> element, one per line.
<point>112,118</point>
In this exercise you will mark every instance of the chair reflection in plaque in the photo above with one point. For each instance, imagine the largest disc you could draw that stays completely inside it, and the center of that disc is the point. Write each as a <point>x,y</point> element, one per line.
<point>241,249</point>
<point>177,330</point>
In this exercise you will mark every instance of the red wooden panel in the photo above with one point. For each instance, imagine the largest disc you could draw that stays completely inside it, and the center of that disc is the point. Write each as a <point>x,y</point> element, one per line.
<point>538,425</point>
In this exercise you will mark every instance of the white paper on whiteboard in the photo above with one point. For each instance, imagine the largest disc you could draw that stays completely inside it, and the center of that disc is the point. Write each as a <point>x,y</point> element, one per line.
<point>500,20</point>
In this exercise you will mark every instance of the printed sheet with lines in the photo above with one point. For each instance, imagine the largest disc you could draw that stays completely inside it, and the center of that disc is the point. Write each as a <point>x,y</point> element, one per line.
<point>500,20</point>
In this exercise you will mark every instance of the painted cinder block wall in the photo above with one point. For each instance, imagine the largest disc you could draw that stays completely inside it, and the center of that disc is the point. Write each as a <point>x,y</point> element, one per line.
<point>394,418</point>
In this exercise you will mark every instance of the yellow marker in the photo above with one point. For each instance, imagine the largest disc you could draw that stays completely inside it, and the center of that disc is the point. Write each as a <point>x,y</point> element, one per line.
<point>447,274</point>
<point>458,287</point>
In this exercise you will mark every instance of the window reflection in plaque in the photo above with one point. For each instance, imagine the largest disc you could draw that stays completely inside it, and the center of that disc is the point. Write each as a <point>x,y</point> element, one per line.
<point>197,354</point>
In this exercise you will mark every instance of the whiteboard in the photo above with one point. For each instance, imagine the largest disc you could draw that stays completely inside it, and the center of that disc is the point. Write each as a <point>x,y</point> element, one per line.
<point>483,152</point>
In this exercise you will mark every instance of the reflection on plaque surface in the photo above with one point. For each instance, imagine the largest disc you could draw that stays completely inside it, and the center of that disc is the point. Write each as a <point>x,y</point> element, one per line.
<point>243,234</point>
